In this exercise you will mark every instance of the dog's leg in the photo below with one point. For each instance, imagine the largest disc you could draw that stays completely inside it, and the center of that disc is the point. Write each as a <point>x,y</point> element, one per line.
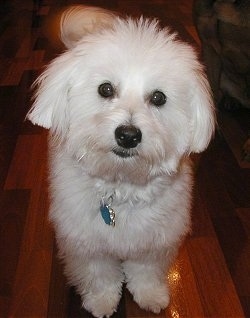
<point>98,281</point>
<point>147,282</point>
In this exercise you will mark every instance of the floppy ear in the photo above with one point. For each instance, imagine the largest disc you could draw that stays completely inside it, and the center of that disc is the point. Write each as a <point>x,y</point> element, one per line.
<point>80,20</point>
<point>51,98</point>
<point>203,112</point>
<point>50,107</point>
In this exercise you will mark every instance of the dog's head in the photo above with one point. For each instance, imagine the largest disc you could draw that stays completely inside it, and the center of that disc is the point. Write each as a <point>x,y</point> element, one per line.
<point>127,99</point>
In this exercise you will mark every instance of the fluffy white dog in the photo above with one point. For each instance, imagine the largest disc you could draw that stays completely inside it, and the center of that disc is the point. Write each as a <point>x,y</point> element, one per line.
<point>126,104</point>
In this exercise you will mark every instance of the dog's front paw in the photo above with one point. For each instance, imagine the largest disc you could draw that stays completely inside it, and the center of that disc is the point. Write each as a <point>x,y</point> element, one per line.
<point>101,304</point>
<point>152,298</point>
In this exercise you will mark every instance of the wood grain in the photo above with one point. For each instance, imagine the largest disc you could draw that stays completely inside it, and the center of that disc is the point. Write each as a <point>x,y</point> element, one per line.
<point>211,275</point>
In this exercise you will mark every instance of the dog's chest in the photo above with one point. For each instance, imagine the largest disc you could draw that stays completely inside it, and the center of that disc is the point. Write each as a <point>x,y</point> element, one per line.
<point>143,221</point>
<point>145,217</point>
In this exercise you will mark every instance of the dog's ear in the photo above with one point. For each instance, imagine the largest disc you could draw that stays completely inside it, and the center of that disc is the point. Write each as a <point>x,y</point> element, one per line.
<point>77,21</point>
<point>50,109</point>
<point>50,106</point>
<point>203,112</point>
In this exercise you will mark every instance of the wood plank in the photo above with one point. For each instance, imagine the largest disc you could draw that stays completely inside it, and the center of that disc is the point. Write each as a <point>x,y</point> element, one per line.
<point>185,299</point>
<point>58,305</point>
<point>31,288</point>
<point>13,75</point>
<point>241,271</point>
<point>216,289</point>
<point>32,283</point>
<point>35,61</point>
<point>28,160</point>
<point>13,207</point>
<point>26,46</point>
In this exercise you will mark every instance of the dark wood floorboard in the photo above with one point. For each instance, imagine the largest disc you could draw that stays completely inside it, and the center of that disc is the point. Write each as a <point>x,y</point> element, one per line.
<point>211,276</point>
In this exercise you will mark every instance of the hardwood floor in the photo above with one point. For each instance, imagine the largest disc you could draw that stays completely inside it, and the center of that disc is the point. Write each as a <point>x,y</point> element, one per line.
<point>211,276</point>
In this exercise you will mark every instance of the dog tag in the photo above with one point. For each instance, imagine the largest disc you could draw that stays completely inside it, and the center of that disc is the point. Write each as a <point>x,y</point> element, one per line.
<point>108,214</point>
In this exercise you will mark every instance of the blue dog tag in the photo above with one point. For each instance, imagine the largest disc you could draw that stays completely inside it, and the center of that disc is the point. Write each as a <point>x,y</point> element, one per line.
<point>108,214</point>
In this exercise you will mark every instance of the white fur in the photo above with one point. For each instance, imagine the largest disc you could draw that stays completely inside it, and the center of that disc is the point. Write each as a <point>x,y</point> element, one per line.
<point>151,190</point>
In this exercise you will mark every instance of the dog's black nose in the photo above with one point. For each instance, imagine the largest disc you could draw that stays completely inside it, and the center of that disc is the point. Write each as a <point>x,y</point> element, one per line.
<point>128,136</point>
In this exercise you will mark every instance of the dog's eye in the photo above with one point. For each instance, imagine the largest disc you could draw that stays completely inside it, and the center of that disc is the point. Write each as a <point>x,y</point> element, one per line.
<point>106,90</point>
<point>158,98</point>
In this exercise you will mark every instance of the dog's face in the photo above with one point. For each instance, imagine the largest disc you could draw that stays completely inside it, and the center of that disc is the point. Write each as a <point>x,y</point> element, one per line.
<point>127,101</point>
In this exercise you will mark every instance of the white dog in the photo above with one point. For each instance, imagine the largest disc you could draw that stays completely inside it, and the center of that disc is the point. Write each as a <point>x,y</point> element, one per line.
<point>126,104</point>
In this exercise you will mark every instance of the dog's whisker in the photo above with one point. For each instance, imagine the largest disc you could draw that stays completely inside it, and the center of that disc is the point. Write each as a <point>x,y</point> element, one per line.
<point>82,156</point>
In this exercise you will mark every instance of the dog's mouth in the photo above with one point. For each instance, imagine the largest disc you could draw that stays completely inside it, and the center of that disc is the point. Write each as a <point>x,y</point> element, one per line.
<point>125,153</point>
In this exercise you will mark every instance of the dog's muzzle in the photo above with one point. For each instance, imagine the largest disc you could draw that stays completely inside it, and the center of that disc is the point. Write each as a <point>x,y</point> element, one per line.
<point>127,137</point>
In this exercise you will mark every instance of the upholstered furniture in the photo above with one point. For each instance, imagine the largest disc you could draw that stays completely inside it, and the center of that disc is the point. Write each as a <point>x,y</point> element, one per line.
<point>224,30</point>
